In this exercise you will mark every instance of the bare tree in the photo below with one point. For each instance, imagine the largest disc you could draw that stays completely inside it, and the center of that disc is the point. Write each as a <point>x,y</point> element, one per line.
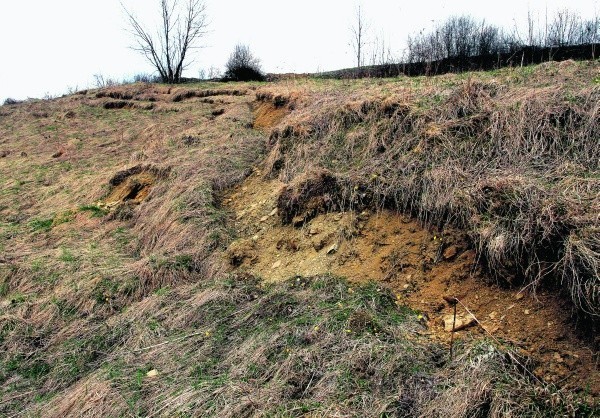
<point>179,32</point>
<point>358,36</point>
<point>488,40</point>
<point>565,29</point>
<point>380,53</point>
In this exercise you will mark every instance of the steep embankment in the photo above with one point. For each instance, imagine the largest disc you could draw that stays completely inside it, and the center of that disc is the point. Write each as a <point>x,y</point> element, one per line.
<point>422,267</point>
<point>177,251</point>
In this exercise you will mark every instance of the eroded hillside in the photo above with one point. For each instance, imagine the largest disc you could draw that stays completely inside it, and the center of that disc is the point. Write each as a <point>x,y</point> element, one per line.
<point>295,248</point>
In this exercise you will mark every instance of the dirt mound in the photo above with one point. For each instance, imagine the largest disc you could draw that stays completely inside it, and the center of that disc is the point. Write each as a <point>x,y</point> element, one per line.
<point>133,185</point>
<point>271,109</point>
<point>421,266</point>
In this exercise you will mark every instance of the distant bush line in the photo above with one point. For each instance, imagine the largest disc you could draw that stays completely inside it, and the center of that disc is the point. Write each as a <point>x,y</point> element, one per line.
<point>521,57</point>
<point>462,43</point>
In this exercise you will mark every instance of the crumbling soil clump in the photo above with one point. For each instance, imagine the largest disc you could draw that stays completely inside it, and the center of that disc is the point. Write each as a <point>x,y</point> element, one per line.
<point>316,192</point>
<point>133,185</point>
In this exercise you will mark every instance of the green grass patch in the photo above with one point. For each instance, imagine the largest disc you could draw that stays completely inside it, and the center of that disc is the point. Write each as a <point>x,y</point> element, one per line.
<point>95,210</point>
<point>43,225</point>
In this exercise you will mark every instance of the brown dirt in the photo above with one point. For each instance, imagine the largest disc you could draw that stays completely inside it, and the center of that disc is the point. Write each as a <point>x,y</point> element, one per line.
<point>135,189</point>
<point>421,266</point>
<point>132,185</point>
<point>268,115</point>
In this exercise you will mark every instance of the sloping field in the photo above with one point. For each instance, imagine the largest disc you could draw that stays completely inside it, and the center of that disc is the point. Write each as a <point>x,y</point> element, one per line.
<point>296,248</point>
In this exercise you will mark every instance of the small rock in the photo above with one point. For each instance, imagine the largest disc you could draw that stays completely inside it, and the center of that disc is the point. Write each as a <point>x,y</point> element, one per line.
<point>273,212</point>
<point>318,244</point>
<point>264,218</point>
<point>276,265</point>
<point>526,311</point>
<point>364,215</point>
<point>519,296</point>
<point>491,329</point>
<point>450,252</point>
<point>152,373</point>
<point>313,231</point>
<point>406,286</point>
<point>462,322</point>
<point>298,220</point>
<point>332,249</point>
<point>493,315</point>
<point>255,238</point>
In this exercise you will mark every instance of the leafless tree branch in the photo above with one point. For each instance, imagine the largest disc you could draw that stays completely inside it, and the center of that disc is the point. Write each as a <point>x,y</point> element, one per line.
<point>358,36</point>
<point>180,30</point>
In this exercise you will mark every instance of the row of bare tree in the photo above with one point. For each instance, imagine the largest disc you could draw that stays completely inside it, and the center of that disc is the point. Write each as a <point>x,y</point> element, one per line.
<point>183,23</point>
<point>463,36</point>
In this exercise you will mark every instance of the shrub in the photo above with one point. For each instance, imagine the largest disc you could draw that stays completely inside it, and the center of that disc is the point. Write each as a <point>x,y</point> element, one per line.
<point>243,66</point>
<point>10,101</point>
<point>146,78</point>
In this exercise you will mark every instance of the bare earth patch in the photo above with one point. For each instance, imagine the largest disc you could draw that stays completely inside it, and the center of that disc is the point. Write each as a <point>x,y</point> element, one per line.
<point>420,266</point>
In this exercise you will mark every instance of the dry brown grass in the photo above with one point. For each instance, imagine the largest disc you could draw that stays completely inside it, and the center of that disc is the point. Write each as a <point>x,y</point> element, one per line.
<point>94,297</point>
<point>128,207</point>
<point>311,346</point>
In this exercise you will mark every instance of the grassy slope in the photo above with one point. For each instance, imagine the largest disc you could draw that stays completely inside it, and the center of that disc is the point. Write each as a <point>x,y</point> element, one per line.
<point>91,301</point>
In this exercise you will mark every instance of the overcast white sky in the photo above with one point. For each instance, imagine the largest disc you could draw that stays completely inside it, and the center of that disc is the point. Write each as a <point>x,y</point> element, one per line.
<point>47,46</point>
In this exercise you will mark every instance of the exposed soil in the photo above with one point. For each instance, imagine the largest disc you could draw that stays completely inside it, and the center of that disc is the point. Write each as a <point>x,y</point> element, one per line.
<point>132,185</point>
<point>421,266</point>
<point>268,115</point>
